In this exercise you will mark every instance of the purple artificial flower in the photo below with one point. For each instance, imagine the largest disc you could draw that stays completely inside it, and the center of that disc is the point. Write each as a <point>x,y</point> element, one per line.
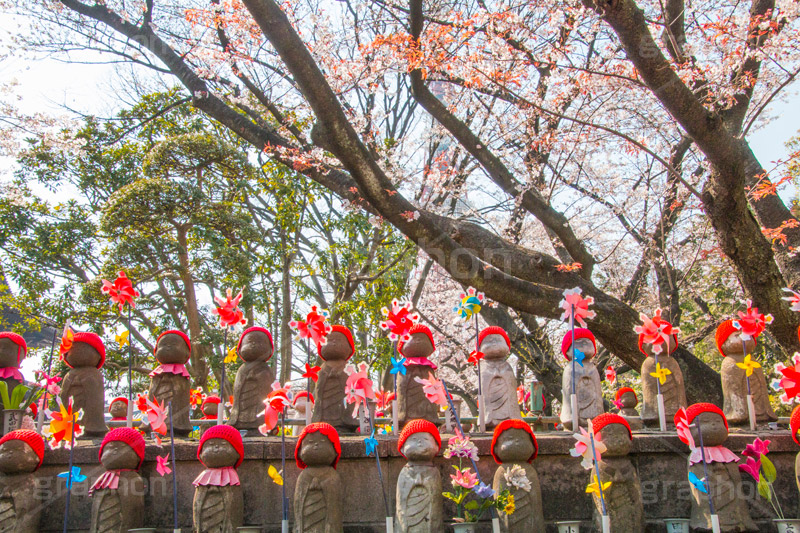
<point>757,448</point>
<point>752,467</point>
<point>461,447</point>
<point>483,490</point>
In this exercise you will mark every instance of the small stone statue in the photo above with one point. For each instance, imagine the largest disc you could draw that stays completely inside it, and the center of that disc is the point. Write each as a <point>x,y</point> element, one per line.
<point>794,425</point>
<point>411,400</point>
<point>419,486</point>
<point>734,379</point>
<point>514,447</point>
<point>118,409</point>
<point>210,407</point>
<point>626,401</point>
<point>21,454</point>
<point>170,380</point>
<point>12,350</point>
<point>84,381</point>
<point>497,377</point>
<point>673,389</point>
<point>724,478</point>
<point>318,495</point>
<point>623,498</point>
<point>330,387</point>
<point>253,380</point>
<point>587,379</point>
<point>303,403</point>
<point>218,505</point>
<point>118,494</point>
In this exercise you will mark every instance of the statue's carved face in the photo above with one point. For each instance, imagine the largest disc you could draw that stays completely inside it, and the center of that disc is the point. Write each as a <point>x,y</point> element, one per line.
<point>732,347</point>
<point>713,428</point>
<point>82,355</point>
<point>628,400</point>
<point>584,345</point>
<point>118,455</point>
<point>514,446</point>
<point>418,346</point>
<point>8,353</point>
<point>16,457</point>
<point>494,347</point>
<point>420,447</point>
<point>317,450</point>
<point>337,348</point>
<point>210,409</point>
<point>666,348</point>
<point>172,350</point>
<point>218,453</point>
<point>616,439</point>
<point>118,409</point>
<point>255,347</point>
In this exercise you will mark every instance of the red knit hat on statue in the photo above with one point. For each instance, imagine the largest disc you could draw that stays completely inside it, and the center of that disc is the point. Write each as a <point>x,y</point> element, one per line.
<point>29,437</point>
<point>251,330</point>
<point>724,331</point>
<point>119,399</point>
<point>303,394</point>
<point>180,334</point>
<point>344,330</point>
<point>92,340</point>
<point>601,421</point>
<point>327,430</point>
<point>419,426</point>
<point>693,410</point>
<point>228,433</point>
<point>580,333</point>
<point>623,390</point>
<point>418,328</point>
<point>794,423</point>
<point>22,351</point>
<point>129,436</point>
<point>513,424</point>
<point>494,330</point>
<point>208,400</point>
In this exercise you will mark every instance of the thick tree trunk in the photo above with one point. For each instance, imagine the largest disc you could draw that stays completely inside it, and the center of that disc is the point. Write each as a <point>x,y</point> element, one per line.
<point>198,356</point>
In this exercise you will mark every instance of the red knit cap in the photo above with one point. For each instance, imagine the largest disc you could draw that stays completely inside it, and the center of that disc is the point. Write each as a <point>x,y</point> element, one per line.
<point>494,330</point>
<point>327,430</point>
<point>724,331</point>
<point>418,328</point>
<point>623,390</point>
<point>344,330</point>
<point>794,423</point>
<point>22,351</point>
<point>129,436</point>
<point>657,320</point>
<point>119,399</point>
<point>251,330</point>
<point>181,334</point>
<point>513,424</point>
<point>580,333</point>
<point>92,340</point>
<point>601,421</point>
<point>419,426</point>
<point>29,437</point>
<point>230,434</point>
<point>210,399</point>
<point>693,410</point>
<point>302,394</point>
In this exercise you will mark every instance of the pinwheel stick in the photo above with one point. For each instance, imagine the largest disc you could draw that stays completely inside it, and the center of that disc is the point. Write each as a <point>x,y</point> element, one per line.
<point>573,399</point>
<point>69,470</point>
<point>40,416</point>
<point>308,384</point>
<point>389,516</point>
<point>751,407</point>
<point>129,416</point>
<point>395,422</point>
<point>606,524</point>
<point>284,500</point>
<point>221,412</point>
<point>662,416</point>
<point>481,407</point>
<point>174,471</point>
<point>714,517</point>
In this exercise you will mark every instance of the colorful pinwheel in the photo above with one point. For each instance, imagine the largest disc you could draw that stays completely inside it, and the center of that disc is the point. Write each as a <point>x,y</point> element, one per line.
<point>682,428</point>
<point>312,372</point>
<point>583,448</point>
<point>523,395</point>
<point>790,382</point>
<point>433,389</point>
<point>594,486</point>
<point>611,375</point>
<point>661,373</point>
<point>399,320</point>
<point>576,306</point>
<point>66,340</point>
<point>228,311</point>
<point>358,388</point>
<point>474,357</point>
<point>748,365</point>
<point>162,465</point>
<point>230,357</point>
<point>72,476</point>
<point>578,355</point>
<point>123,338</point>
<point>751,322</point>
<point>276,402</point>
<point>371,444</point>
<point>196,397</point>
<point>398,366</point>
<point>700,484</point>
<point>50,384</point>
<point>313,327</point>
<point>275,475</point>
<point>794,299</point>
<point>121,291</point>
<point>156,414</point>
<point>470,304</point>
<point>63,427</point>
<point>655,331</point>
<point>383,399</point>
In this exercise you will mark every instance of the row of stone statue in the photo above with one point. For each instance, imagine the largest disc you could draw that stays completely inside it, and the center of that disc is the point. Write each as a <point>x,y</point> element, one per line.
<point>118,495</point>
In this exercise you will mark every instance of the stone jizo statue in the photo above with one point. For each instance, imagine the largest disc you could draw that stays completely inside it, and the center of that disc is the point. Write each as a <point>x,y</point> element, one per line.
<point>673,389</point>
<point>170,380</point>
<point>586,378</point>
<point>118,409</point>
<point>419,486</point>
<point>84,381</point>
<point>330,387</point>
<point>13,350</point>
<point>253,380</point>
<point>218,504</point>
<point>497,377</point>
<point>21,454</point>
<point>319,494</point>
<point>627,401</point>
<point>411,401</point>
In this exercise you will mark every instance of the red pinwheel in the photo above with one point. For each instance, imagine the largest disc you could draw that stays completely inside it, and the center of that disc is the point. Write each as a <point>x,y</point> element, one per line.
<point>790,382</point>
<point>358,388</point>
<point>474,357</point>
<point>314,327</point>
<point>312,372</point>
<point>751,322</point>
<point>611,375</point>
<point>229,313</point>
<point>682,427</point>
<point>383,399</point>
<point>399,320</point>
<point>276,402</point>
<point>66,340</point>
<point>655,331</point>
<point>121,291</point>
<point>576,306</point>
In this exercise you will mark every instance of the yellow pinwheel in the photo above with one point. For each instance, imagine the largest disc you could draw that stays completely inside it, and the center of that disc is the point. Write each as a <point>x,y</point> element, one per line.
<point>748,365</point>
<point>123,338</point>
<point>231,357</point>
<point>594,487</point>
<point>661,373</point>
<point>275,475</point>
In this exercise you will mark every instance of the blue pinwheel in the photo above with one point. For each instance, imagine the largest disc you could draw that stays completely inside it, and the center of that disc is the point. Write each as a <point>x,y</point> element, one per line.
<point>75,477</point>
<point>371,444</point>
<point>579,356</point>
<point>470,303</point>
<point>398,366</point>
<point>700,484</point>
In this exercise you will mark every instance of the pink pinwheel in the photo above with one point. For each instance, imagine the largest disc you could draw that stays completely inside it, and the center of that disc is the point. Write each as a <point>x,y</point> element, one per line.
<point>433,389</point>
<point>583,448</point>
<point>790,382</point>
<point>752,467</point>
<point>229,313</point>
<point>611,375</point>
<point>399,321</point>
<point>576,307</point>
<point>121,291</point>
<point>162,465</point>
<point>655,331</point>
<point>156,415</point>
<point>751,322</point>
<point>314,326</point>
<point>794,299</point>
<point>682,428</point>
<point>464,478</point>
<point>757,448</point>
<point>276,402</point>
<point>358,388</point>
<point>617,404</point>
<point>49,383</point>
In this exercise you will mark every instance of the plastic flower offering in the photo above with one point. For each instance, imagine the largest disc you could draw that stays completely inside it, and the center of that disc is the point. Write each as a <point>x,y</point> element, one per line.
<point>461,447</point>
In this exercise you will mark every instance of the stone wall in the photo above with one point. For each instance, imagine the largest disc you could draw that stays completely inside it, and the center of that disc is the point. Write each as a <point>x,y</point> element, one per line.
<point>661,462</point>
